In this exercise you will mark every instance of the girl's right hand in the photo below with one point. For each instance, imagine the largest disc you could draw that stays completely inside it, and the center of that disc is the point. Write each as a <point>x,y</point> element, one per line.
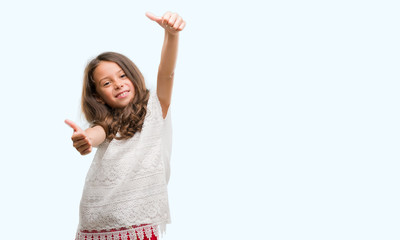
<point>80,139</point>
<point>171,22</point>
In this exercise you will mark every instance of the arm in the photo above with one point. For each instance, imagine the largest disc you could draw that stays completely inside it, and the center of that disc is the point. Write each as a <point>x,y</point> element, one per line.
<point>173,24</point>
<point>83,141</point>
<point>96,135</point>
<point>165,77</point>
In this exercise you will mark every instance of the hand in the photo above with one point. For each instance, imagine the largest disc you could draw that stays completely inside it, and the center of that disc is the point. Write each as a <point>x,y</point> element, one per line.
<point>171,22</point>
<point>80,139</point>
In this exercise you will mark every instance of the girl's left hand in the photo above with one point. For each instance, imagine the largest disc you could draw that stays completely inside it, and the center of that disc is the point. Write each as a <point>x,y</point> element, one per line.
<point>171,22</point>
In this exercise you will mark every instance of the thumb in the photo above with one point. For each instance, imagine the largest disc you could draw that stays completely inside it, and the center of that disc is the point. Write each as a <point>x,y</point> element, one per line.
<point>73,125</point>
<point>153,17</point>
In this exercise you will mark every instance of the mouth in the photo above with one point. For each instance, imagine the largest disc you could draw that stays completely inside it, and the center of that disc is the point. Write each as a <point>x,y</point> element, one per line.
<point>122,94</point>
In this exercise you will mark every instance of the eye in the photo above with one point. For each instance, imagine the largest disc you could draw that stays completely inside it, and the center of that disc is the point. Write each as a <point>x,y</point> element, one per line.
<point>106,83</point>
<point>123,75</point>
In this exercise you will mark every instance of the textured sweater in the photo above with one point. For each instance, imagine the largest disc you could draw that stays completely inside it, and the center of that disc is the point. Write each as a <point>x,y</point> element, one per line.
<point>126,184</point>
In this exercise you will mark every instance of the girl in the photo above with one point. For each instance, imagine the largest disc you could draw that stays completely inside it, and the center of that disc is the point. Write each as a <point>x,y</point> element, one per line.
<point>125,192</point>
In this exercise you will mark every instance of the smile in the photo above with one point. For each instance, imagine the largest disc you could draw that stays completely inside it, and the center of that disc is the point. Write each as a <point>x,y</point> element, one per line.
<point>123,94</point>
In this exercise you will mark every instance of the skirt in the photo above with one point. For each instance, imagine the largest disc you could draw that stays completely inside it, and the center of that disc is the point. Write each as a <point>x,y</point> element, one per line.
<point>140,232</point>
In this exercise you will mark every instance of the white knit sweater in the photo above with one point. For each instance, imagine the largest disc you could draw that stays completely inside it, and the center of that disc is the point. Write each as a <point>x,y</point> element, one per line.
<point>127,181</point>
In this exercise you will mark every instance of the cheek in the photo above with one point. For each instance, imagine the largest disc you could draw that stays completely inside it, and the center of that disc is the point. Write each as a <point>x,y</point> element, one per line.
<point>131,86</point>
<point>104,93</point>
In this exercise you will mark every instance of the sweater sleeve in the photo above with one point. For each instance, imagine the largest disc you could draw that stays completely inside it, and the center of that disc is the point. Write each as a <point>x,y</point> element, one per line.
<point>156,101</point>
<point>166,135</point>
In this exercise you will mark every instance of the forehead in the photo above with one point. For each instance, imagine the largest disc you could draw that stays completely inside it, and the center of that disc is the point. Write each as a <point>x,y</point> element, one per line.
<point>106,69</point>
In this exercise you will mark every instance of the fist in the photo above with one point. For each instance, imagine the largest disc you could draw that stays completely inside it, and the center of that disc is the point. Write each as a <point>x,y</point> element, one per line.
<point>80,139</point>
<point>171,22</point>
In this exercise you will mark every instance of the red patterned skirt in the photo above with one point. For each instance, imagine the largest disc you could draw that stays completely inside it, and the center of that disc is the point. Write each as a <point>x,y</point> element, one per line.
<point>141,232</point>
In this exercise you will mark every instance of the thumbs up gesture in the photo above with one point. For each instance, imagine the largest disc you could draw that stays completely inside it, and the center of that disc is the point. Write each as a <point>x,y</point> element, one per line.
<point>171,22</point>
<point>80,139</point>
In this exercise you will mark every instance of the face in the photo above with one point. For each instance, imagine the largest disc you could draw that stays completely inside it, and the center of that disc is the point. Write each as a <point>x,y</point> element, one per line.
<point>112,85</point>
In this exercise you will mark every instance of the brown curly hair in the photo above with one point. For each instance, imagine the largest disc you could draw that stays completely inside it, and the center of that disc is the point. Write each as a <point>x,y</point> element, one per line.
<point>128,120</point>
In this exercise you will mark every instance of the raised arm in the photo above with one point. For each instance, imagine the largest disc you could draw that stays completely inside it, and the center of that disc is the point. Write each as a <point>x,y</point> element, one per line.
<point>173,24</point>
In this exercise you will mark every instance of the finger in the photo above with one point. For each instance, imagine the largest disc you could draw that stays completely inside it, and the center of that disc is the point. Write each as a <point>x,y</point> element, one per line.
<point>177,23</point>
<point>72,125</point>
<point>182,26</point>
<point>172,19</point>
<point>83,148</point>
<point>81,143</point>
<point>86,151</point>
<point>153,17</point>
<point>166,18</point>
<point>78,136</point>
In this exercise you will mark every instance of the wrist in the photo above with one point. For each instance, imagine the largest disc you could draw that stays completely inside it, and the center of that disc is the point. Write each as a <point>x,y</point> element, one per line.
<point>171,34</point>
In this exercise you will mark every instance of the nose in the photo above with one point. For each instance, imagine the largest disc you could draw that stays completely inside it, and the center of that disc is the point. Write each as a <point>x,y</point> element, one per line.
<point>118,84</point>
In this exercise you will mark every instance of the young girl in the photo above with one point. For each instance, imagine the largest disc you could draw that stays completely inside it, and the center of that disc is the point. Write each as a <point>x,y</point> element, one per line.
<point>125,192</point>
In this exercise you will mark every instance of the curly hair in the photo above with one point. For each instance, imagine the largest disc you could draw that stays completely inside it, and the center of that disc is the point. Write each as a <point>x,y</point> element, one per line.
<point>128,120</point>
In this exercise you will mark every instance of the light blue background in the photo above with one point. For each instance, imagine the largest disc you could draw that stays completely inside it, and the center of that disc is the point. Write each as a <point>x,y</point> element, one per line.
<point>285,115</point>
